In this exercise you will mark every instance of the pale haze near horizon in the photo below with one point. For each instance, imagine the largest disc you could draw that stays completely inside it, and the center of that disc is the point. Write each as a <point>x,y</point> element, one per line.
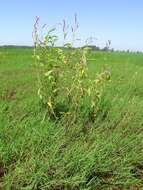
<point>118,21</point>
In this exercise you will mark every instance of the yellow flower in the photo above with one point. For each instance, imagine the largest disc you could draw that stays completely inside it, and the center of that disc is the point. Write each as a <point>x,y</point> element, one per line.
<point>82,72</point>
<point>65,61</point>
<point>50,104</point>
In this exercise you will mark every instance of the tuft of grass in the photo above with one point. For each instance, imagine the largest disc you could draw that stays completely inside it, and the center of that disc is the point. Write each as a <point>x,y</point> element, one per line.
<point>105,154</point>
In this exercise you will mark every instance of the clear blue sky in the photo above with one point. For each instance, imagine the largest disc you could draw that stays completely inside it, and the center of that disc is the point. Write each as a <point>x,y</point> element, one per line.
<point>120,21</point>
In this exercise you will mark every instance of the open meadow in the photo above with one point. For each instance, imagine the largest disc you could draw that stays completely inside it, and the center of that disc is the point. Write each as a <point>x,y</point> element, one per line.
<point>41,154</point>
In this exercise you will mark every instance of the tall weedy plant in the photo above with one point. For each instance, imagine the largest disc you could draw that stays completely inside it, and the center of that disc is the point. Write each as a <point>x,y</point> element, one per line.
<point>66,90</point>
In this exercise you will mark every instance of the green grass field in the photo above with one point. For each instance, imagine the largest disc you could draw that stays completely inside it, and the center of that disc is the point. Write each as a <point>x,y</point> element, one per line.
<point>36,155</point>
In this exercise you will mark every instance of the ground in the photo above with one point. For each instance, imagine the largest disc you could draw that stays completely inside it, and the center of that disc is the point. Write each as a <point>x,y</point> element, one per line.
<point>37,154</point>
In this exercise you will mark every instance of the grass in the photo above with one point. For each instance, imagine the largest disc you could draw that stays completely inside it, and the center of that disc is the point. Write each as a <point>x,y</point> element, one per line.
<point>107,154</point>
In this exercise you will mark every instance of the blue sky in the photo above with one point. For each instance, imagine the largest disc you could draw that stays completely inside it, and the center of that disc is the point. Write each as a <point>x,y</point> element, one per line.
<point>120,21</point>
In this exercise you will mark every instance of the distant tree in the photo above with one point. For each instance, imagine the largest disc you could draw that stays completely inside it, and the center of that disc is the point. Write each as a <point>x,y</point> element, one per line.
<point>92,47</point>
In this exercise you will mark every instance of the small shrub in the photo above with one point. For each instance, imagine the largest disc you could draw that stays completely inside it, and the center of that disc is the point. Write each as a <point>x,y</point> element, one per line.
<point>66,89</point>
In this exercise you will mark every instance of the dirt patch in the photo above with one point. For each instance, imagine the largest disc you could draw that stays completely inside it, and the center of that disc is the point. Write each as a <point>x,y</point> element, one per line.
<point>138,171</point>
<point>102,175</point>
<point>2,173</point>
<point>8,95</point>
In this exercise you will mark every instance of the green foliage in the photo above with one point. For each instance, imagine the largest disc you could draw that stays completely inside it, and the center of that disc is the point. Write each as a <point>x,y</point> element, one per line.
<point>66,89</point>
<point>104,155</point>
